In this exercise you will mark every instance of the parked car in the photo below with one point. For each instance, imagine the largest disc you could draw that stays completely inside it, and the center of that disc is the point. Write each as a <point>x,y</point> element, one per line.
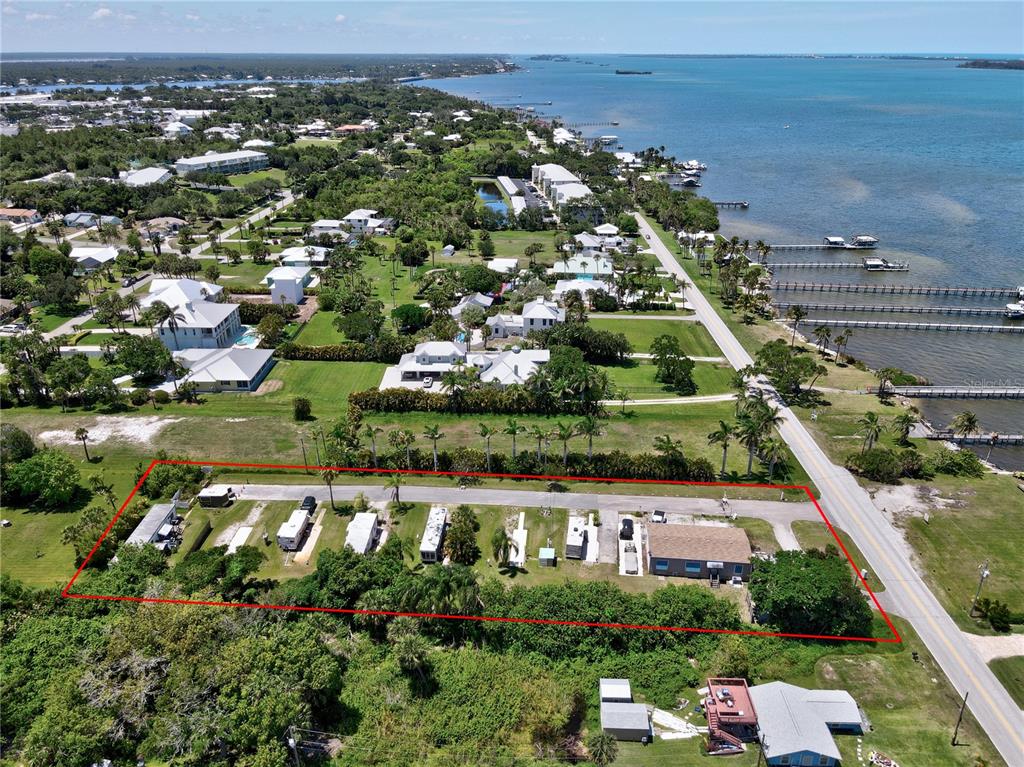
<point>308,504</point>
<point>128,281</point>
<point>626,530</point>
<point>658,516</point>
<point>428,382</point>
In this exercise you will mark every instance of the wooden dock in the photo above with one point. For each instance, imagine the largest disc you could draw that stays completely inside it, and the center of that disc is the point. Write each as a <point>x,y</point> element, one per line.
<point>978,439</point>
<point>958,392</point>
<point>893,266</point>
<point>905,290</point>
<point>732,204</point>
<point>817,246</point>
<point>950,327</point>
<point>975,311</point>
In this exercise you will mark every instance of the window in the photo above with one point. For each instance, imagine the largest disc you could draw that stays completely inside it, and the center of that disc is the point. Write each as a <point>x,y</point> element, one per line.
<point>661,565</point>
<point>693,567</point>
<point>738,569</point>
<point>784,760</point>
<point>823,760</point>
<point>807,760</point>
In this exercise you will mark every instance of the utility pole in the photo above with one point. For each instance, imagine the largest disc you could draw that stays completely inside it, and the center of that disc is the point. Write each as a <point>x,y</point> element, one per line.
<point>956,730</point>
<point>316,444</point>
<point>983,573</point>
<point>305,462</point>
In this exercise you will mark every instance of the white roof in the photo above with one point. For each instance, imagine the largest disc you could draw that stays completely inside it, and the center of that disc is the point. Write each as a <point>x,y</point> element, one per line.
<point>583,264</point>
<point>178,292</point>
<point>214,491</point>
<point>503,265</point>
<point>303,250</point>
<point>257,142</point>
<point>215,157</point>
<point>556,173</point>
<point>540,308</point>
<point>297,273</point>
<point>473,299</point>
<point>514,366</point>
<point>572,191</point>
<point>293,526</point>
<point>612,689</point>
<point>177,127</point>
<point>230,364</point>
<point>588,240</point>
<point>149,527</point>
<point>583,286</point>
<point>793,719</point>
<point>360,531</point>
<point>99,255</point>
<point>147,176</point>
<point>608,230</point>
<point>436,520</point>
<point>574,537</point>
<point>360,213</point>
<point>625,716</point>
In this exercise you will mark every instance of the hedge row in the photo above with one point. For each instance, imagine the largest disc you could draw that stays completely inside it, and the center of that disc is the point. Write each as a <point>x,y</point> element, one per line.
<point>388,349</point>
<point>251,313</point>
<point>512,400</point>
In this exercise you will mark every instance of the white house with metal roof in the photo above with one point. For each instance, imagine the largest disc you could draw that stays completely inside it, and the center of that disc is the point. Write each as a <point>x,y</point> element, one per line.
<point>587,264</point>
<point>304,255</point>
<point>366,221</point>
<point>538,314</point>
<point>432,359</point>
<point>90,259</point>
<point>286,283</point>
<point>231,369</point>
<point>146,176</point>
<point>199,321</point>
<point>362,532</point>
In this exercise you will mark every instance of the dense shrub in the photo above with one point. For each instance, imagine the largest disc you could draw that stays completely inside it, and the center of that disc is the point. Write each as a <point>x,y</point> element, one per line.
<point>959,463</point>
<point>251,313</point>
<point>302,409</point>
<point>386,348</point>
<point>511,400</point>
<point>598,346</point>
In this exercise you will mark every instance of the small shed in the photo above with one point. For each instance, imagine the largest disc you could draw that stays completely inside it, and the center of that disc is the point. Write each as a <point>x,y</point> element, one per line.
<point>616,691</point>
<point>627,721</point>
<point>215,495</point>
<point>448,250</point>
<point>547,557</point>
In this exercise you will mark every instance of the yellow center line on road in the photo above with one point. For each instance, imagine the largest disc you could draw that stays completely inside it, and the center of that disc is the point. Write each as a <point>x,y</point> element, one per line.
<point>813,455</point>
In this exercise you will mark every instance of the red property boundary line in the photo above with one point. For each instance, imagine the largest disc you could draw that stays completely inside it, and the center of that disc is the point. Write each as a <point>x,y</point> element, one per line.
<point>66,592</point>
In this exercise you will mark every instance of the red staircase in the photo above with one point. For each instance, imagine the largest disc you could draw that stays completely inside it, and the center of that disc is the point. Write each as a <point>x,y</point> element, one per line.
<point>715,733</point>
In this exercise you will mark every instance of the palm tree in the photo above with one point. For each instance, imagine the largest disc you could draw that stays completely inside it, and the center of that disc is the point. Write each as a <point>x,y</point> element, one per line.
<point>563,433</point>
<point>513,428</point>
<point>796,314</point>
<point>394,484</point>
<point>403,438</point>
<point>104,489</point>
<point>411,652</point>
<point>487,432</point>
<point>772,451</point>
<point>433,433</point>
<point>841,341</point>
<point>885,376</point>
<point>902,426</point>
<point>370,432</point>
<point>537,433</point>
<point>622,395</point>
<point>163,314</point>
<point>589,427</point>
<point>132,303</point>
<point>503,546</point>
<point>603,748</point>
<point>751,435</point>
<point>822,334</point>
<point>965,424</point>
<point>82,435</point>
<point>870,429</point>
<point>665,445</point>
<point>722,436</point>
<point>328,475</point>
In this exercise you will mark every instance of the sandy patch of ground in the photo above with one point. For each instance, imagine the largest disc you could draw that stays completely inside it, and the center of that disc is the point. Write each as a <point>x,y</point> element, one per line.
<point>139,430</point>
<point>228,533</point>
<point>898,501</point>
<point>235,420</point>
<point>269,385</point>
<point>992,647</point>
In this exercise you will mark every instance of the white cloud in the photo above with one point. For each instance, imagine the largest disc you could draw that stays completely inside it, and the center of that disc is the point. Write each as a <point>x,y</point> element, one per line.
<point>339,19</point>
<point>39,16</point>
<point>10,10</point>
<point>127,16</point>
<point>192,17</point>
<point>101,13</point>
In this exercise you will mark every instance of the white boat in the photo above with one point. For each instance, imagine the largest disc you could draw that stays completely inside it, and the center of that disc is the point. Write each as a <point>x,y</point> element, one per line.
<point>881,265</point>
<point>834,242</point>
<point>608,140</point>
<point>693,165</point>
<point>1014,311</point>
<point>863,241</point>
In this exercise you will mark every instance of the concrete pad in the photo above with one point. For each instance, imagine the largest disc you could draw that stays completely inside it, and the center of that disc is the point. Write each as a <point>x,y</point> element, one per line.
<point>518,557</point>
<point>239,538</point>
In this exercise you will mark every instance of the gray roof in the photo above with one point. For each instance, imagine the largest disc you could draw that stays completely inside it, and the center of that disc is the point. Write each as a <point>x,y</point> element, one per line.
<point>625,716</point>
<point>150,525</point>
<point>792,719</point>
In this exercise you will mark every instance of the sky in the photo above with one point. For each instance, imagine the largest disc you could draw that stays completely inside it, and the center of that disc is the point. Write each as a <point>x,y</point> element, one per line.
<point>515,27</point>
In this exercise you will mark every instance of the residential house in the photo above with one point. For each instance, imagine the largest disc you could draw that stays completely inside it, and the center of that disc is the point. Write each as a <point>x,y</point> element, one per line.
<point>225,134</point>
<point>20,216</point>
<point>292,532</point>
<point>431,545</point>
<point>286,283</point>
<point>165,225</point>
<point>190,116</point>
<point>362,532</point>
<point>327,226</point>
<point>146,176</point>
<point>538,314</point>
<point>176,129</point>
<point>795,726</point>
<point>232,369</point>
<point>160,526</point>
<point>88,260</point>
<point>583,287</point>
<point>366,221</point>
<point>576,538</point>
<point>215,496</point>
<point>304,256</point>
<point>479,300</point>
<point>512,366</point>
<point>348,130</point>
<point>731,715</point>
<point>550,175</point>
<point>504,265</point>
<point>435,358</point>
<point>240,161</point>
<point>85,220</point>
<point>699,551</point>
<point>620,716</point>
<point>586,264</point>
<point>200,321</point>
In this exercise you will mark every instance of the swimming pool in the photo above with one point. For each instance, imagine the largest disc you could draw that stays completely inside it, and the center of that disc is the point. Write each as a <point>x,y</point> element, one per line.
<point>249,339</point>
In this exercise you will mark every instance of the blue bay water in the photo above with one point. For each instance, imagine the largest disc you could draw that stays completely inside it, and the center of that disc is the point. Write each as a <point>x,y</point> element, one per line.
<point>925,156</point>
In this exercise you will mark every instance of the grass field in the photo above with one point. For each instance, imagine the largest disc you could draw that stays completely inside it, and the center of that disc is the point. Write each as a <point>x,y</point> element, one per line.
<point>49,318</point>
<point>693,337</point>
<point>1010,671</point>
<point>241,179</point>
<point>637,377</point>
<point>320,330</point>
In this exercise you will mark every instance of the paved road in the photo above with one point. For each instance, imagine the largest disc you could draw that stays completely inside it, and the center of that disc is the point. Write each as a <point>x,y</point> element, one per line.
<point>259,215</point>
<point>646,356</point>
<point>607,503</point>
<point>673,400</point>
<point>849,506</point>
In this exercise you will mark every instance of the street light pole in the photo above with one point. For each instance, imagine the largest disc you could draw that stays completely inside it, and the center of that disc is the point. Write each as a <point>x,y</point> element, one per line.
<point>983,573</point>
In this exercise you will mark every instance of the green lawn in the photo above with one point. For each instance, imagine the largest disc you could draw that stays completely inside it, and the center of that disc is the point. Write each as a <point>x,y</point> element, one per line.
<point>49,318</point>
<point>815,535</point>
<point>320,330</point>
<point>242,179</point>
<point>693,337</point>
<point>637,377</point>
<point>760,533</point>
<point>237,277</point>
<point>1010,671</point>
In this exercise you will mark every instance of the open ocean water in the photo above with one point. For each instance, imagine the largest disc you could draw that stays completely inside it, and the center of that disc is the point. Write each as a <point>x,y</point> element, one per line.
<point>925,156</point>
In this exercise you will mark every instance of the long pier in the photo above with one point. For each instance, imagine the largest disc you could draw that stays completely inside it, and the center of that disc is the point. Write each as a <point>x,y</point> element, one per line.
<point>732,204</point>
<point>892,325</point>
<point>905,290</point>
<point>976,311</point>
<point>818,246</point>
<point>958,392</point>
<point>893,266</point>
<point>978,439</point>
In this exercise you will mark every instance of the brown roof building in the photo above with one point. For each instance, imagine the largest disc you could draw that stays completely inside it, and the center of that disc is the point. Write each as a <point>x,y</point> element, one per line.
<point>698,551</point>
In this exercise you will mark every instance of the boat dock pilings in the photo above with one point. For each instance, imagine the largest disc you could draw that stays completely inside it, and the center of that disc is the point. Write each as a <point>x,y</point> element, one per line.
<point>951,327</point>
<point>732,204</point>
<point>979,439</point>
<point>892,266</point>
<point>958,392</point>
<point>976,311</point>
<point>907,290</point>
